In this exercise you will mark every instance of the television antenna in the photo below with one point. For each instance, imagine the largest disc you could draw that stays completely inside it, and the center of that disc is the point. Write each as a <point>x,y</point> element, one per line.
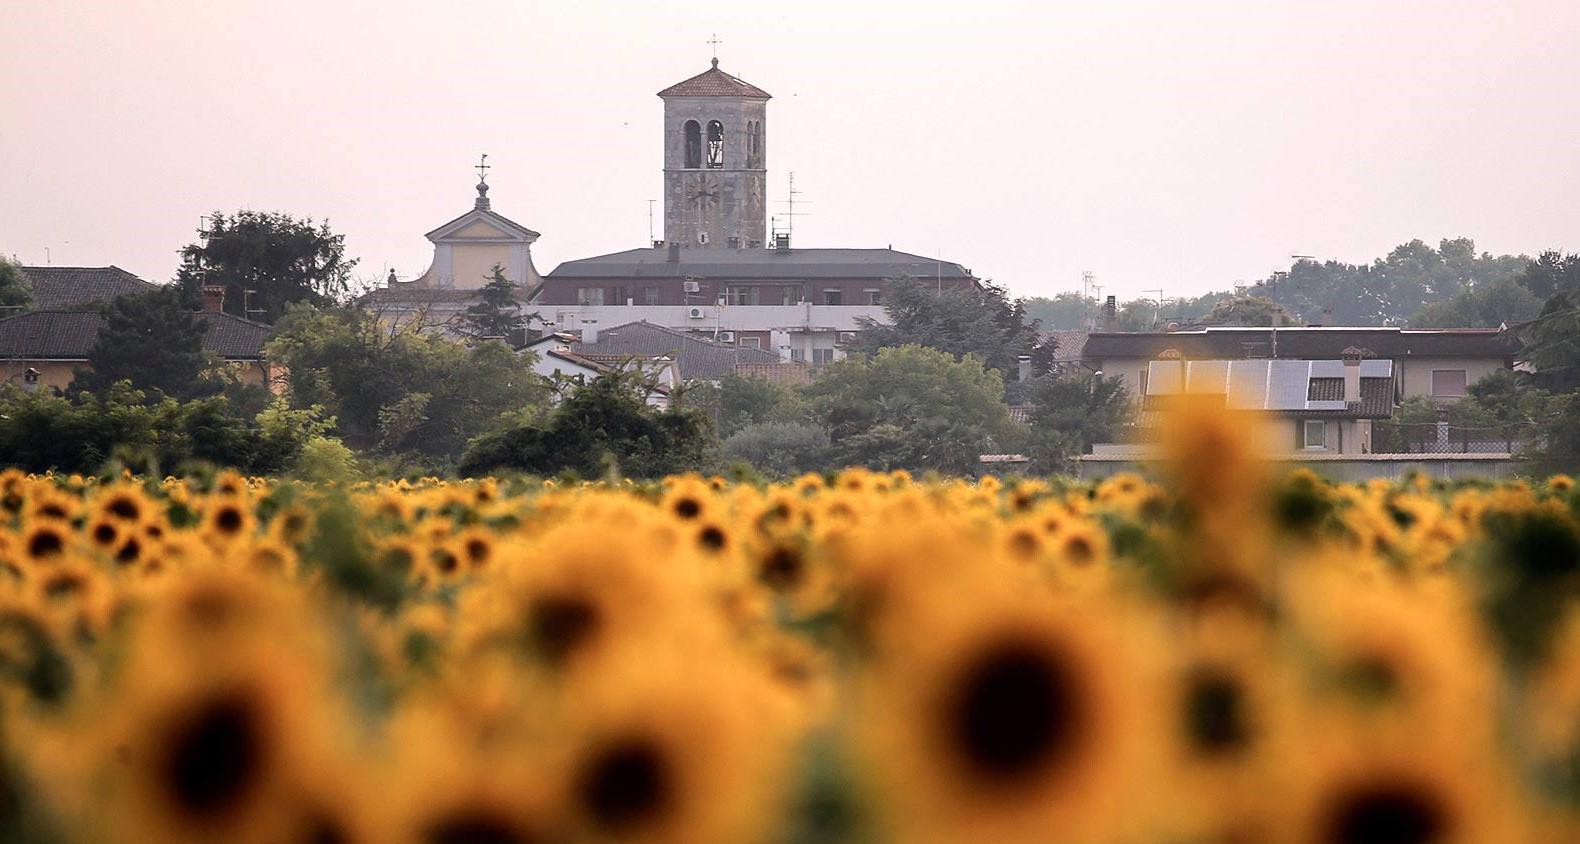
<point>790,213</point>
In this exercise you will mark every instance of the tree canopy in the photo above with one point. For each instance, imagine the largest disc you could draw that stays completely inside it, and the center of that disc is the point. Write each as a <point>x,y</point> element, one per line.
<point>910,407</point>
<point>15,291</point>
<point>601,427</point>
<point>983,322</point>
<point>498,314</point>
<point>266,261</point>
<point>1248,310</point>
<point>396,389</point>
<point>151,340</point>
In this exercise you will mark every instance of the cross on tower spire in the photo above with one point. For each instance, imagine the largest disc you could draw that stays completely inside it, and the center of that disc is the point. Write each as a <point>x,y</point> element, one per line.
<point>714,42</point>
<point>483,167</point>
<point>482,182</point>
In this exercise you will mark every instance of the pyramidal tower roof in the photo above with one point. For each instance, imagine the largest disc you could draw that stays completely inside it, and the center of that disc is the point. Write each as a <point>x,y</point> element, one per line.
<point>715,83</point>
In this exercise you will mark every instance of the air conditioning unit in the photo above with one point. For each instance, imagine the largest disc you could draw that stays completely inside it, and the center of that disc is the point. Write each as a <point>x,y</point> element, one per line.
<point>726,337</point>
<point>696,313</point>
<point>692,286</point>
<point>847,336</point>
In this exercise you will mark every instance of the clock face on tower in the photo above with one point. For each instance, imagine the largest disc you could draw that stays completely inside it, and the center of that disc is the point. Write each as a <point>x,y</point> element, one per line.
<point>703,192</point>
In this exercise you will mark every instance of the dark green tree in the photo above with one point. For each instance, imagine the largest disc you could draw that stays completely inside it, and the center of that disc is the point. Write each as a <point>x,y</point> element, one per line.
<point>981,321</point>
<point>1247,310</point>
<point>911,407</point>
<point>498,314</point>
<point>266,261</point>
<point>399,390</point>
<point>15,291</point>
<point>603,427</point>
<point>1070,413</point>
<point>152,341</point>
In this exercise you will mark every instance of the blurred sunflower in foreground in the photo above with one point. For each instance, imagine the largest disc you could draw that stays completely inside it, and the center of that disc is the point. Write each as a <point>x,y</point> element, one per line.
<point>1220,655</point>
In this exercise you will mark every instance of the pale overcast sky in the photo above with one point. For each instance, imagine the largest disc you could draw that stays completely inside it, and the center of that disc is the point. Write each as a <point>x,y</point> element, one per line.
<point>1181,145</point>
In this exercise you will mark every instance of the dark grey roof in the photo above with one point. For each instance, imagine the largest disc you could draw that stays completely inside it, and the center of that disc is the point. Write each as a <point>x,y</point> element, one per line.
<point>1068,345</point>
<point>697,358</point>
<point>654,262</point>
<point>64,288</point>
<point>70,335</point>
<point>232,337</point>
<point>407,293</point>
<point>1303,343</point>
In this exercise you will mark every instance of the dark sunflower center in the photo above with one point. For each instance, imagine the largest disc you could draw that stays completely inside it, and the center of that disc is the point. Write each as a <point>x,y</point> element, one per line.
<point>1215,717</point>
<point>228,520</point>
<point>128,551</point>
<point>560,625</point>
<point>1013,711</point>
<point>45,543</point>
<point>124,508</point>
<point>782,568</point>
<point>712,538</point>
<point>1024,544</point>
<point>475,827</point>
<point>1079,549</point>
<point>626,783</point>
<point>104,534</point>
<point>1389,814</point>
<point>687,508</point>
<point>214,758</point>
<point>477,550</point>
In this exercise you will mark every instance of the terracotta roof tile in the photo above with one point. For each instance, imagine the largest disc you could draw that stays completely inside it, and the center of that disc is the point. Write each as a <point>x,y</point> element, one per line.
<point>715,83</point>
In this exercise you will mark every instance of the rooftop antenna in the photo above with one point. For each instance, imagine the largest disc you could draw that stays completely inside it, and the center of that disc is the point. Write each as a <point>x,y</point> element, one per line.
<point>650,220</point>
<point>790,212</point>
<point>1159,312</point>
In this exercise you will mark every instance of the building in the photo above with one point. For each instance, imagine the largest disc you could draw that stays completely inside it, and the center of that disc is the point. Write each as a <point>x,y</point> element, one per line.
<point>694,358</point>
<point>44,347</point>
<point>465,252</point>
<point>719,271</point>
<point>1436,363</point>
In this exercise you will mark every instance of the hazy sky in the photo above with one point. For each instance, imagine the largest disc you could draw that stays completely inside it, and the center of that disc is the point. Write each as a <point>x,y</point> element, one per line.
<point>1169,144</point>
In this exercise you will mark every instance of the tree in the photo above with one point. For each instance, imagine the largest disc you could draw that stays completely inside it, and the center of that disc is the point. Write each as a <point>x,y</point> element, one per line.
<point>980,321</point>
<point>780,449</point>
<point>498,314</point>
<point>15,290</point>
<point>910,407</point>
<point>1551,274</point>
<point>266,261</point>
<point>1066,311</point>
<point>1552,345</point>
<point>750,401</point>
<point>399,389</point>
<point>1248,310</point>
<point>1070,413</point>
<point>601,428</point>
<point>150,340</point>
<point>1505,302</point>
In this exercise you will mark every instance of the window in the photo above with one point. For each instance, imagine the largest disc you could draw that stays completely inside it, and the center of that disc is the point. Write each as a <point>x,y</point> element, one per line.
<point>1448,383</point>
<point>751,342</point>
<point>650,295</point>
<point>874,296</point>
<point>693,143</point>
<point>1314,433</point>
<point>754,145</point>
<point>617,295</point>
<point>798,355</point>
<point>740,295</point>
<point>790,296</point>
<point>589,296</point>
<point>715,144</point>
<point>822,355</point>
<point>832,297</point>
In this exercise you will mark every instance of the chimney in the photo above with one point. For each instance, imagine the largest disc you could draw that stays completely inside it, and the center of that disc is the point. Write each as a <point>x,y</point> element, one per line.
<point>589,331</point>
<point>1023,368</point>
<point>735,243</point>
<point>1110,313</point>
<point>213,298</point>
<point>781,243</point>
<point>674,253</point>
<point>1352,373</point>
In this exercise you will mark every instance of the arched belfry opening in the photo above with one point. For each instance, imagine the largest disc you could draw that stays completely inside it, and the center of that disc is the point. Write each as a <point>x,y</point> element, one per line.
<point>693,135</point>
<point>715,145</point>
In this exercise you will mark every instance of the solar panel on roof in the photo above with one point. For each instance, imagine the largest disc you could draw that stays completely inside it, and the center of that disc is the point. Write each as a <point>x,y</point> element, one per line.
<point>1248,384</point>
<point>1287,384</point>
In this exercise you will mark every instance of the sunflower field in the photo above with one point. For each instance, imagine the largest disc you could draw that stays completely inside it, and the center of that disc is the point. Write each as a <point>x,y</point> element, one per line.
<point>1219,655</point>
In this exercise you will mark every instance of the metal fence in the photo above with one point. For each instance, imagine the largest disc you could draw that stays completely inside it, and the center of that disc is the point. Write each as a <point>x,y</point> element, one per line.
<point>1443,438</point>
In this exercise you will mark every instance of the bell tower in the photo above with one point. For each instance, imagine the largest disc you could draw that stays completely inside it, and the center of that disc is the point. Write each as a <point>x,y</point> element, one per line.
<point>715,162</point>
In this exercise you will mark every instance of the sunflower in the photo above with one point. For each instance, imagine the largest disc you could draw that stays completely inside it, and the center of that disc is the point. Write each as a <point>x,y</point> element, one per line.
<point>652,760</point>
<point>46,541</point>
<point>688,498</point>
<point>227,519</point>
<point>1016,719</point>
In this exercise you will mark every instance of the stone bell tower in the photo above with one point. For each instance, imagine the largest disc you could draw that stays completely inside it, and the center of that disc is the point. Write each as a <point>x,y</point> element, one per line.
<point>715,162</point>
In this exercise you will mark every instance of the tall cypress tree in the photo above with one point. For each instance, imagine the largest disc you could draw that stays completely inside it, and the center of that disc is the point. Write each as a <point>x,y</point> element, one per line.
<point>497,314</point>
